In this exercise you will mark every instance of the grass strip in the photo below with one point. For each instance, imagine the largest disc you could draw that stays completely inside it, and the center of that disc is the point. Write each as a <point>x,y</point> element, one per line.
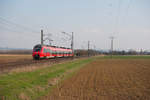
<point>125,57</point>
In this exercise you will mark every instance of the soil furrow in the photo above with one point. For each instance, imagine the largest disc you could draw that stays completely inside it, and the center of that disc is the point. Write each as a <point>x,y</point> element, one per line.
<point>107,80</point>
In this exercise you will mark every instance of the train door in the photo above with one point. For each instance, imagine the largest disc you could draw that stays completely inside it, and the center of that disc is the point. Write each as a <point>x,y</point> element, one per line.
<point>45,52</point>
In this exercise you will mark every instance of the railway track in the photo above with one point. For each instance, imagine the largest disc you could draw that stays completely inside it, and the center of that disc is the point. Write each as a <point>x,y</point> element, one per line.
<point>28,62</point>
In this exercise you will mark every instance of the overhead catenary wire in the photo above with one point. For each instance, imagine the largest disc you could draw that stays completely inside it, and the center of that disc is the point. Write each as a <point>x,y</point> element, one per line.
<point>128,7</point>
<point>7,22</point>
<point>11,30</point>
<point>117,18</point>
<point>12,27</point>
<point>57,39</point>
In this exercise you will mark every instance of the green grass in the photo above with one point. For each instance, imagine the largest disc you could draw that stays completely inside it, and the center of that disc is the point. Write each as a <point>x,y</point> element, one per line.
<point>32,85</point>
<point>126,57</point>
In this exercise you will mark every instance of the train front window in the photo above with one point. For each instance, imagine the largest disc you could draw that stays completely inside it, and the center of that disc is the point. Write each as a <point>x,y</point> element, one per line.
<point>37,49</point>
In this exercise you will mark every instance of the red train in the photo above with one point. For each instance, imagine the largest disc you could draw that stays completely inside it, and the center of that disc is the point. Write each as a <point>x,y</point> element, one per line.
<point>44,51</point>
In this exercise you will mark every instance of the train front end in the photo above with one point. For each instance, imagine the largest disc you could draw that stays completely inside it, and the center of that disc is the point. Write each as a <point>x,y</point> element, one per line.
<point>36,52</point>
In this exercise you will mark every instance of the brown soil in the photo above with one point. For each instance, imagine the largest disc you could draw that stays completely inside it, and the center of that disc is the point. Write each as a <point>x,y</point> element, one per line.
<point>107,80</point>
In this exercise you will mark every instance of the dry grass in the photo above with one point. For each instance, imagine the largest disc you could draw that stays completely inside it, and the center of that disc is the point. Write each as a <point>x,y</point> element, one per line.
<point>6,58</point>
<point>22,96</point>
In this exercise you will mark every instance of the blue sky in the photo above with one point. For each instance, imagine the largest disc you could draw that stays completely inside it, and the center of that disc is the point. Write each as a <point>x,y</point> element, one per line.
<point>95,20</point>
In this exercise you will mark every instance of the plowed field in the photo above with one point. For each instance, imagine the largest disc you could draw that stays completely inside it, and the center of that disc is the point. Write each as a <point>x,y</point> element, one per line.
<point>106,79</point>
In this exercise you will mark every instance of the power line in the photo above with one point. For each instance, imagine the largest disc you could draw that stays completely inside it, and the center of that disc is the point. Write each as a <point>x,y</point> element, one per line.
<point>128,6</point>
<point>17,25</point>
<point>14,31</point>
<point>116,25</point>
<point>71,37</point>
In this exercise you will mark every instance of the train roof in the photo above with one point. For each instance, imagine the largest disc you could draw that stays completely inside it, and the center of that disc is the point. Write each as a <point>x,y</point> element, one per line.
<point>39,45</point>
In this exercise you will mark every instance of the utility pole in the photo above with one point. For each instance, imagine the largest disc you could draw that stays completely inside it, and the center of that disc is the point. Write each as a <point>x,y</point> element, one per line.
<point>94,50</point>
<point>72,43</point>
<point>141,52</point>
<point>41,37</point>
<point>111,50</point>
<point>88,48</point>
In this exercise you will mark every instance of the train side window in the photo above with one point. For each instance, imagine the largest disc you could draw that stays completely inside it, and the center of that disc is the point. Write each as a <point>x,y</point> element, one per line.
<point>53,52</point>
<point>44,50</point>
<point>49,51</point>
